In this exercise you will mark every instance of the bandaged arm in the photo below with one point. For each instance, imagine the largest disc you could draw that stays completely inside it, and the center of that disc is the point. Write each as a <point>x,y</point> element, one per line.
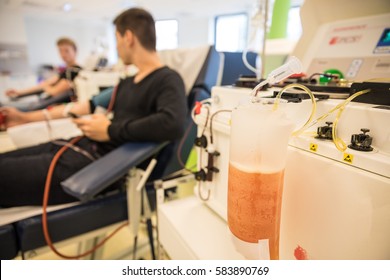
<point>15,117</point>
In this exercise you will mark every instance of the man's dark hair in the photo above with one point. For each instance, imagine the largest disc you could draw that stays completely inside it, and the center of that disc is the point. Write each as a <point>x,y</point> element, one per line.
<point>141,23</point>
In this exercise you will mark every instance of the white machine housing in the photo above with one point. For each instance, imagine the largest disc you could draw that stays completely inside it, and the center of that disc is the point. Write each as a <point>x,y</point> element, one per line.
<point>359,48</point>
<point>88,83</point>
<point>335,205</point>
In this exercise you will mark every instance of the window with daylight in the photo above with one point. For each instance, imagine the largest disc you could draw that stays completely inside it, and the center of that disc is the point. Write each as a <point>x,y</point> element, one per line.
<point>167,34</point>
<point>231,32</point>
<point>294,26</point>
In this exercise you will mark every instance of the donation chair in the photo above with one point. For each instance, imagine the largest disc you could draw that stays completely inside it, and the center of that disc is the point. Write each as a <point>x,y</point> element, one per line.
<point>42,101</point>
<point>26,103</point>
<point>8,243</point>
<point>97,215</point>
<point>234,67</point>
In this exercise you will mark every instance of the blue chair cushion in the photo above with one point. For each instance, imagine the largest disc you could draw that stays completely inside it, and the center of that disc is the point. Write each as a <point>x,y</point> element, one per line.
<point>8,243</point>
<point>85,217</point>
<point>95,177</point>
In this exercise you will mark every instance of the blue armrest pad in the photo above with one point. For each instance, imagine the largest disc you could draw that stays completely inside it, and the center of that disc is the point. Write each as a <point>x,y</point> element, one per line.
<point>100,174</point>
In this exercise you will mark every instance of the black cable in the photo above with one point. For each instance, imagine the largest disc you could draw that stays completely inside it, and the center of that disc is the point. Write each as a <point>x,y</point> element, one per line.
<point>211,123</point>
<point>207,120</point>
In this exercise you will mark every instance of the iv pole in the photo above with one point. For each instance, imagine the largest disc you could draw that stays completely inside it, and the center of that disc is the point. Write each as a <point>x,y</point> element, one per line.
<point>264,40</point>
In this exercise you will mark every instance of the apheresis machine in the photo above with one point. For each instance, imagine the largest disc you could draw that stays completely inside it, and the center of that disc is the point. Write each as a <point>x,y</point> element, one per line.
<point>298,170</point>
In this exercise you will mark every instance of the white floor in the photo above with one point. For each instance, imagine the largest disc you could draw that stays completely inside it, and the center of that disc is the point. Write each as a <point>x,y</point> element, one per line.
<point>120,246</point>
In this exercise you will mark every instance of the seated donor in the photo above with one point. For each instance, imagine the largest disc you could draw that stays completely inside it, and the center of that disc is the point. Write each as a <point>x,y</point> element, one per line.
<point>150,106</point>
<point>59,83</point>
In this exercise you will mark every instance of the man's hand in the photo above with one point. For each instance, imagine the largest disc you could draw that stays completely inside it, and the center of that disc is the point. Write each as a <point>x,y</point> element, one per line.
<point>12,93</point>
<point>95,128</point>
<point>13,116</point>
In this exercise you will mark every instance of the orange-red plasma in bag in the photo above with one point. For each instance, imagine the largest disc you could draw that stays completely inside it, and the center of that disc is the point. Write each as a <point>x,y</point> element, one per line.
<point>254,206</point>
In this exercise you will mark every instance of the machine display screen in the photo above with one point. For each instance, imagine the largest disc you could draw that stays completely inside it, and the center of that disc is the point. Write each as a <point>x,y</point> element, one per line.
<point>383,45</point>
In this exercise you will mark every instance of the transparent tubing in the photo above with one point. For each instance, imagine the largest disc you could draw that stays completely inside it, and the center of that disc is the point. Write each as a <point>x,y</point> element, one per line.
<point>313,108</point>
<point>247,64</point>
<point>256,24</point>
<point>245,52</point>
<point>338,142</point>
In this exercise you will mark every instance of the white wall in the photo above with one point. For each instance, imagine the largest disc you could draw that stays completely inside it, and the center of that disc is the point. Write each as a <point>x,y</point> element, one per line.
<point>13,41</point>
<point>42,34</point>
<point>12,29</point>
<point>193,31</point>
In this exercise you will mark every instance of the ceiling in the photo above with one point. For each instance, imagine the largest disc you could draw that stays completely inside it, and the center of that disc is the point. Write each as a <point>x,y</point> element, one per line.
<point>106,10</point>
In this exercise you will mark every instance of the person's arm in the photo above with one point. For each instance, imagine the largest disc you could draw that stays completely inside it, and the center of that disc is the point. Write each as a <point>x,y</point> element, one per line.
<point>58,88</point>
<point>96,128</point>
<point>64,83</point>
<point>15,117</point>
<point>37,88</point>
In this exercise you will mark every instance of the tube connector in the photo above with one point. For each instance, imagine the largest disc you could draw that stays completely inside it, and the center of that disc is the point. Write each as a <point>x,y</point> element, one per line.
<point>292,66</point>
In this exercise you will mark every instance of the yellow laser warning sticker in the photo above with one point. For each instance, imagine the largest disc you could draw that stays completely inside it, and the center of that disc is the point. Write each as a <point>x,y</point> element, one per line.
<point>348,158</point>
<point>313,147</point>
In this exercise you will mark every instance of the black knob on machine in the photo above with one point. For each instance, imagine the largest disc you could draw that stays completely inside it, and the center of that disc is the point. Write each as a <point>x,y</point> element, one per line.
<point>325,132</point>
<point>200,175</point>
<point>362,141</point>
<point>201,141</point>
